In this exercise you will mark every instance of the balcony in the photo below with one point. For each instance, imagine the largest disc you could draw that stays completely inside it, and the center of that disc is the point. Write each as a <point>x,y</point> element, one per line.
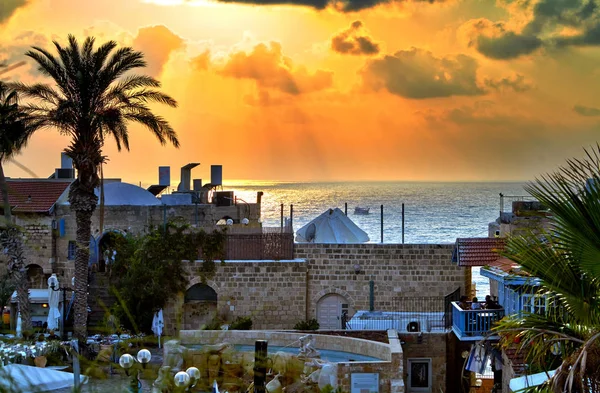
<point>473,325</point>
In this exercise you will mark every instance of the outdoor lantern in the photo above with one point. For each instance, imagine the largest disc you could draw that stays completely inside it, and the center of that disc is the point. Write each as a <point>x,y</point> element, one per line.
<point>126,361</point>
<point>143,356</point>
<point>229,221</point>
<point>245,221</point>
<point>194,374</point>
<point>182,379</point>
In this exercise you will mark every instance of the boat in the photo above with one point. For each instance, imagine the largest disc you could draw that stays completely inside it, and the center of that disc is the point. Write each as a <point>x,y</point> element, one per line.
<point>361,210</point>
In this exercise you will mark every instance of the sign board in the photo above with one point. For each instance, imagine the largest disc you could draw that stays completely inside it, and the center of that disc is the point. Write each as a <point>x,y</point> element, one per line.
<point>364,383</point>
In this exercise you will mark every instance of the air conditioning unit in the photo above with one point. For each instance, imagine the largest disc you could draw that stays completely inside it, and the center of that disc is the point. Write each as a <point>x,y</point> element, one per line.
<point>413,326</point>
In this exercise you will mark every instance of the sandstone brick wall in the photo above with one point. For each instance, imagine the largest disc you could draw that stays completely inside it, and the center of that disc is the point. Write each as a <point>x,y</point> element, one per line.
<point>396,269</point>
<point>429,346</point>
<point>37,231</point>
<point>278,294</point>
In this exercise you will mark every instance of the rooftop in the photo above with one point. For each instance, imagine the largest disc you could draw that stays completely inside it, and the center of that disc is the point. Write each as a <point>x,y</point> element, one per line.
<point>34,195</point>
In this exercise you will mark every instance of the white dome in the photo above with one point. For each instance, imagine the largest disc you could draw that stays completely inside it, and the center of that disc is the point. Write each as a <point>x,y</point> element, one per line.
<point>123,194</point>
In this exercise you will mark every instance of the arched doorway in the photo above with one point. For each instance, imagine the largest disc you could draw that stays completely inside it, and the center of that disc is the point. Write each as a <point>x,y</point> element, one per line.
<point>36,277</point>
<point>200,306</point>
<point>329,311</point>
<point>107,245</point>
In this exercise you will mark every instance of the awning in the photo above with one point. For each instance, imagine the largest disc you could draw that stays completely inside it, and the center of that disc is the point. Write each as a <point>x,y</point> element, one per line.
<point>518,384</point>
<point>35,296</point>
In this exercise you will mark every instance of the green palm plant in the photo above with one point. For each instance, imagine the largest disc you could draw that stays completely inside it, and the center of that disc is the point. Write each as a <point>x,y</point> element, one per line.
<point>566,259</point>
<point>16,127</point>
<point>94,97</point>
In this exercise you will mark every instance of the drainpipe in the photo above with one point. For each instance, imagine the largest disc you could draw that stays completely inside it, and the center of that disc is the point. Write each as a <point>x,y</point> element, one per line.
<point>54,232</point>
<point>306,299</point>
<point>371,295</point>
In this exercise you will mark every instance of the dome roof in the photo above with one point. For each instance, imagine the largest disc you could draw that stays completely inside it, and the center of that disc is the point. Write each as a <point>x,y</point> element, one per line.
<point>120,194</point>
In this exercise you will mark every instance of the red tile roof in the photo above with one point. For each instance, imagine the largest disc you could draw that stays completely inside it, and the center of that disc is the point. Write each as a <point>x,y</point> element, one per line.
<point>34,196</point>
<point>478,251</point>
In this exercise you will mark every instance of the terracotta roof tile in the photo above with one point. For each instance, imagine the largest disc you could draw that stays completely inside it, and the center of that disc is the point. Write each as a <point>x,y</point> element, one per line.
<point>35,195</point>
<point>477,251</point>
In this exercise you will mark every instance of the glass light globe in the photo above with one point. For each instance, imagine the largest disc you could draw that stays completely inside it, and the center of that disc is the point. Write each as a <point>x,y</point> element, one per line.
<point>181,379</point>
<point>245,221</point>
<point>126,361</point>
<point>194,373</point>
<point>229,221</point>
<point>144,356</point>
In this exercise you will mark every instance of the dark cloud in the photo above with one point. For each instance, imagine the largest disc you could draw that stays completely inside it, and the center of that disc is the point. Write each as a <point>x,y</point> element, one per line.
<point>554,24</point>
<point>586,110</point>
<point>418,74</point>
<point>271,69</point>
<point>8,7</point>
<point>517,84</point>
<point>352,42</point>
<point>340,5</point>
<point>508,45</point>
<point>157,43</point>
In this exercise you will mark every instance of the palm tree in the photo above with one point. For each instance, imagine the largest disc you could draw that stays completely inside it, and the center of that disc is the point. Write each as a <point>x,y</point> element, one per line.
<point>94,97</point>
<point>567,261</point>
<point>15,130</point>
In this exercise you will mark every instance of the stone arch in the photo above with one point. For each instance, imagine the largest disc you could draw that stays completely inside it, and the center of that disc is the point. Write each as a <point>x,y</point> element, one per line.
<point>106,245</point>
<point>333,307</point>
<point>36,276</point>
<point>199,305</point>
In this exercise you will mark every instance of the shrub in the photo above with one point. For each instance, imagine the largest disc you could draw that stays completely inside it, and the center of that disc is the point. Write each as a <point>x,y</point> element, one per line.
<point>311,324</point>
<point>241,323</point>
<point>215,324</point>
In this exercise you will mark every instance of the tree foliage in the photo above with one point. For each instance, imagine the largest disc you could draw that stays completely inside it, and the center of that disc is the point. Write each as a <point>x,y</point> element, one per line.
<point>566,259</point>
<point>148,269</point>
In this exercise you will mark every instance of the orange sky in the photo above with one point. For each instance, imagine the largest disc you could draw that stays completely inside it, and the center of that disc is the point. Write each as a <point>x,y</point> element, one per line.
<point>441,90</point>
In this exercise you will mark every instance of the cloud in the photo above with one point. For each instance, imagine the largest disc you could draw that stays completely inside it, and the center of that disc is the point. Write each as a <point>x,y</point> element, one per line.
<point>8,8</point>
<point>340,5</point>
<point>351,42</point>
<point>157,43</point>
<point>516,83</point>
<point>202,61</point>
<point>555,24</point>
<point>271,69</point>
<point>418,74</point>
<point>586,110</point>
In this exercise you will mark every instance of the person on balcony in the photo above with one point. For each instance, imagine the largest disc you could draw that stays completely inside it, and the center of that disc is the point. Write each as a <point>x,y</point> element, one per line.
<point>475,305</point>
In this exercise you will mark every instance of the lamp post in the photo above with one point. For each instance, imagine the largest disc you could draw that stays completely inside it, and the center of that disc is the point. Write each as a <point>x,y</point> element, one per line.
<point>126,361</point>
<point>64,290</point>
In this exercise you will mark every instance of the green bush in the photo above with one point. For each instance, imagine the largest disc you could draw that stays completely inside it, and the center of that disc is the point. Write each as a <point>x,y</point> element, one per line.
<point>215,324</point>
<point>241,323</point>
<point>311,324</point>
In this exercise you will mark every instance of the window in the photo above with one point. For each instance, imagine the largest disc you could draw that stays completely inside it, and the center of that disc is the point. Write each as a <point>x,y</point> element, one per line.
<point>419,376</point>
<point>71,250</point>
<point>536,304</point>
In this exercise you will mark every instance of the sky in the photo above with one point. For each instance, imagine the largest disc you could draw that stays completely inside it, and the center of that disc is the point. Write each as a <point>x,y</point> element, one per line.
<point>328,90</point>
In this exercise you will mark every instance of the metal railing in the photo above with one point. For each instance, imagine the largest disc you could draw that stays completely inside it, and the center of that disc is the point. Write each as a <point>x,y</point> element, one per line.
<point>474,322</point>
<point>507,200</point>
<point>258,244</point>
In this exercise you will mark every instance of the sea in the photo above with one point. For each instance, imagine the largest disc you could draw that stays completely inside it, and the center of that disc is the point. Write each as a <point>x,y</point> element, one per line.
<point>434,212</point>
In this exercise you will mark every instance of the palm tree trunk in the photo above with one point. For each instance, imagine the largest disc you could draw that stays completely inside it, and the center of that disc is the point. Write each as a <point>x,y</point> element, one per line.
<point>4,188</point>
<point>83,202</point>
<point>23,298</point>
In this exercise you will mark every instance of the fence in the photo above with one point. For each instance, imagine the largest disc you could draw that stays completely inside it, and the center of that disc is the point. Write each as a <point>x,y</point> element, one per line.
<point>507,200</point>
<point>258,244</point>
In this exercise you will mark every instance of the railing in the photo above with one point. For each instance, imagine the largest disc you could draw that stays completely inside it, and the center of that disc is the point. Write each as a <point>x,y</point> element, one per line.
<point>474,322</point>
<point>507,200</point>
<point>258,244</point>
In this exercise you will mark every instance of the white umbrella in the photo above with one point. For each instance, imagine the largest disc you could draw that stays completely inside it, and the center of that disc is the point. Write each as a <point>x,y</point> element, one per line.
<point>333,226</point>
<point>158,324</point>
<point>19,329</point>
<point>53,299</point>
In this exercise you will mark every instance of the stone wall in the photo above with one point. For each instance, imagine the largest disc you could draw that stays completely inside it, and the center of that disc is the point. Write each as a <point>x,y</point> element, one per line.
<point>396,269</point>
<point>37,231</point>
<point>278,294</point>
<point>426,346</point>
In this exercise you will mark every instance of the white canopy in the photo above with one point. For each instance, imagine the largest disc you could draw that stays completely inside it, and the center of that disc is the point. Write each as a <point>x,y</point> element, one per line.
<point>157,324</point>
<point>333,226</point>
<point>518,384</point>
<point>22,378</point>
<point>53,300</point>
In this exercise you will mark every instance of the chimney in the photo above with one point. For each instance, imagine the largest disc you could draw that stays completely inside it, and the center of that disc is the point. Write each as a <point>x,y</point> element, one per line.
<point>164,176</point>
<point>197,184</point>
<point>216,175</point>
<point>186,175</point>
<point>66,162</point>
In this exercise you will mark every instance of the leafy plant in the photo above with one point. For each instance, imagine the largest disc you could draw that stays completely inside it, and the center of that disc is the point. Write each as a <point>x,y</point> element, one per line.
<point>241,323</point>
<point>311,324</point>
<point>148,269</point>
